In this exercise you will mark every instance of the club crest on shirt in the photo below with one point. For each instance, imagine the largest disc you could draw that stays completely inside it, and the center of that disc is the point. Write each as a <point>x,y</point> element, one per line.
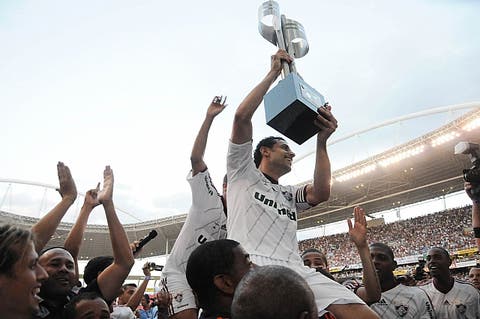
<point>288,196</point>
<point>461,308</point>
<point>179,297</point>
<point>402,310</point>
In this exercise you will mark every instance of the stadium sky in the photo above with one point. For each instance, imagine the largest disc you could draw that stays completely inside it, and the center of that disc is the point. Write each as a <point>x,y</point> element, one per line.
<point>127,83</point>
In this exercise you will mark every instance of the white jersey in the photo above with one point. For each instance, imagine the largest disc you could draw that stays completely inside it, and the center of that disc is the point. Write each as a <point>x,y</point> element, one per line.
<point>404,302</point>
<point>262,217</point>
<point>205,221</point>
<point>462,301</point>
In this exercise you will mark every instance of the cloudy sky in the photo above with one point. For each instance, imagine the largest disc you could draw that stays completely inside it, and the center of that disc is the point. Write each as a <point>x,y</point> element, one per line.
<point>127,83</point>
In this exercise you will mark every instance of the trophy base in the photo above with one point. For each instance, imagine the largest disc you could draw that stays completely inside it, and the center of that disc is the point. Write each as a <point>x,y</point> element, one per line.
<point>291,108</point>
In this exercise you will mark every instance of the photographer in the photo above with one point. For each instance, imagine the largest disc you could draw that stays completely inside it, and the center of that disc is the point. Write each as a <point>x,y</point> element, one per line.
<point>475,211</point>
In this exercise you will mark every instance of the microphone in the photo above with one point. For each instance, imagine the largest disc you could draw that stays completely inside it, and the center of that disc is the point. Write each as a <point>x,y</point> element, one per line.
<point>151,235</point>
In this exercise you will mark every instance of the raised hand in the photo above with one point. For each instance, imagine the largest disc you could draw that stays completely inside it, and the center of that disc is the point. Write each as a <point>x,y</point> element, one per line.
<point>106,194</point>
<point>67,189</point>
<point>217,106</point>
<point>91,197</point>
<point>358,230</point>
<point>326,121</point>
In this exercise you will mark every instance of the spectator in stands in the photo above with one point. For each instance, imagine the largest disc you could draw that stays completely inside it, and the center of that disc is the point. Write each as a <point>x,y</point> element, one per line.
<point>20,274</point>
<point>451,298</point>
<point>272,292</point>
<point>88,305</point>
<point>254,194</point>
<point>474,276</point>
<point>205,221</point>
<point>397,300</point>
<point>472,192</point>
<point>214,270</point>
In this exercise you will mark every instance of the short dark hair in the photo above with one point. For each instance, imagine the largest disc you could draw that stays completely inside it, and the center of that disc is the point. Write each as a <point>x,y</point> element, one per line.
<point>443,250</point>
<point>205,262</point>
<point>70,308</point>
<point>272,292</point>
<point>384,247</point>
<point>124,287</point>
<point>315,250</point>
<point>95,266</point>
<point>52,248</point>
<point>266,142</point>
<point>13,245</point>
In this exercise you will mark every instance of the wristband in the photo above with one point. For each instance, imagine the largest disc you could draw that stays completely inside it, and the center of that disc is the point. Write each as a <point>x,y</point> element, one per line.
<point>147,278</point>
<point>476,232</point>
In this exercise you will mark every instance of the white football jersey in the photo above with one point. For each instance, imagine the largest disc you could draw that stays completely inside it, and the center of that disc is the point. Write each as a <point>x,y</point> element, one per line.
<point>462,301</point>
<point>205,221</point>
<point>404,302</point>
<point>262,216</point>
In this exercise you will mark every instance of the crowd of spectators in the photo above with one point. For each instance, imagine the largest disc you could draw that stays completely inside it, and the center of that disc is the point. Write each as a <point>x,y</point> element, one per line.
<point>406,237</point>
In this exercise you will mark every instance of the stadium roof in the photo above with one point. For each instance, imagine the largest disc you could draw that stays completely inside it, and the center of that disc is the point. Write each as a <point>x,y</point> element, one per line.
<point>423,168</point>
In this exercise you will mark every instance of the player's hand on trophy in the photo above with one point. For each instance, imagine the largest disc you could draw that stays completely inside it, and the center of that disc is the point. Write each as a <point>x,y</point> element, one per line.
<point>326,121</point>
<point>277,59</point>
<point>217,106</point>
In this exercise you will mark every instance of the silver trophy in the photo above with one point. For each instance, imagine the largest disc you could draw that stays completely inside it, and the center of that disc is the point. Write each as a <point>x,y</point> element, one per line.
<point>291,106</point>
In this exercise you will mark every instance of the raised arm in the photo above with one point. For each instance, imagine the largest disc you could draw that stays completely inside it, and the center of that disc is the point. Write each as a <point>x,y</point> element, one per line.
<point>319,190</point>
<point>111,279</point>
<point>475,212</point>
<point>371,291</point>
<point>135,299</point>
<point>75,236</point>
<point>46,226</point>
<point>242,124</point>
<point>196,158</point>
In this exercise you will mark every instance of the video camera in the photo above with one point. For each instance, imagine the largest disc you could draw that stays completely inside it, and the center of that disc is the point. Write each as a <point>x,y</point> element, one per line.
<point>471,175</point>
<point>420,269</point>
<point>152,266</point>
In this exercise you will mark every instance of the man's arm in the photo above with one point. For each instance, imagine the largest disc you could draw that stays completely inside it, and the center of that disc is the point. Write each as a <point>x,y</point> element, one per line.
<point>135,299</point>
<point>75,236</point>
<point>319,190</point>
<point>371,292</point>
<point>242,124</point>
<point>111,279</point>
<point>475,211</point>
<point>46,226</point>
<point>196,158</point>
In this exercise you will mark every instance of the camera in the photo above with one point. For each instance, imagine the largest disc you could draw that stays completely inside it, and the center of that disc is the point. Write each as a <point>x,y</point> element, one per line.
<point>420,269</point>
<point>152,266</point>
<point>471,175</point>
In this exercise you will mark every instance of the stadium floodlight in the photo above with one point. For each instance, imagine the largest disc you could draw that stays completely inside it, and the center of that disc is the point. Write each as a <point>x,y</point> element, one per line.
<point>397,157</point>
<point>471,125</point>
<point>355,173</point>
<point>444,138</point>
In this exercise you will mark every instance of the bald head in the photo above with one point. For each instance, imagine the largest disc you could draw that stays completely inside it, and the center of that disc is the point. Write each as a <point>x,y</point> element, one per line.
<point>272,292</point>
